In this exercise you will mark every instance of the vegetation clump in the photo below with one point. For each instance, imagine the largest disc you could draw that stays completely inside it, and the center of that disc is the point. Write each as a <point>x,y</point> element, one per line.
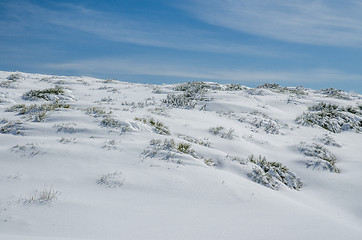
<point>169,150</point>
<point>332,117</point>
<point>111,180</point>
<point>111,122</point>
<point>322,158</point>
<point>45,94</point>
<point>272,174</point>
<point>11,127</point>
<point>220,131</point>
<point>37,112</point>
<point>335,93</point>
<point>279,89</point>
<point>193,92</point>
<point>157,126</point>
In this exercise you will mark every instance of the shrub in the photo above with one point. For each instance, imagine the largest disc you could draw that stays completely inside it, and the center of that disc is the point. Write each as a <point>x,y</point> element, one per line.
<point>332,117</point>
<point>272,174</point>
<point>168,149</point>
<point>111,180</point>
<point>111,122</point>
<point>96,112</point>
<point>335,93</point>
<point>158,127</point>
<point>279,89</point>
<point>329,141</point>
<point>37,112</point>
<point>205,142</point>
<point>27,150</point>
<point>43,94</point>
<point>14,77</point>
<point>322,157</point>
<point>11,127</point>
<point>193,92</point>
<point>219,131</point>
<point>68,128</point>
<point>43,197</point>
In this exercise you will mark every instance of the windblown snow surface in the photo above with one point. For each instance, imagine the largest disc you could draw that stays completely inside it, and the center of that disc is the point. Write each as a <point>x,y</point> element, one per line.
<point>85,158</point>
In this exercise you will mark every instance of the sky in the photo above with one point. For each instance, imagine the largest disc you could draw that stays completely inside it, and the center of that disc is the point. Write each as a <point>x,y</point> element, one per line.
<point>311,43</point>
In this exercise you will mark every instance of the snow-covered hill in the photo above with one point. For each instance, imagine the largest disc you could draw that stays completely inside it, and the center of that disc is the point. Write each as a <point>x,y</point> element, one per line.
<point>85,158</point>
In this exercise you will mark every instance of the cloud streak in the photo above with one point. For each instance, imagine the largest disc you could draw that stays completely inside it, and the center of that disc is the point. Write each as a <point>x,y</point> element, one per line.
<point>323,22</point>
<point>167,69</point>
<point>29,20</point>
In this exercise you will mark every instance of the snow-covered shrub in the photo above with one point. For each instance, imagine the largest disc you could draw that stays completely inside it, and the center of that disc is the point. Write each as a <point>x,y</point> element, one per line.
<point>234,87</point>
<point>220,131</point>
<point>37,112</point>
<point>111,180</point>
<point>43,94</point>
<point>11,127</point>
<point>335,93</point>
<point>161,111</point>
<point>157,126</point>
<point>279,89</point>
<point>67,140</point>
<point>237,159</point>
<point>263,121</point>
<point>273,174</point>
<point>43,197</point>
<point>332,117</point>
<point>193,92</point>
<point>328,140</point>
<point>322,158</point>
<point>14,77</point>
<point>110,145</point>
<point>27,150</point>
<point>205,142</point>
<point>68,128</point>
<point>96,112</point>
<point>180,101</point>
<point>192,87</point>
<point>111,122</point>
<point>168,150</point>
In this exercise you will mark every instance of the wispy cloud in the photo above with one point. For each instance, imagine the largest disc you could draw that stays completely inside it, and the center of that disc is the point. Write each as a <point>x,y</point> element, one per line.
<point>28,19</point>
<point>167,69</point>
<point>322,22</point>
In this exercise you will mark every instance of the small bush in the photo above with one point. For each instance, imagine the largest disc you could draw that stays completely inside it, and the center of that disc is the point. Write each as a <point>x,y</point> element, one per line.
<point>272,174</point>
<point>96,112</point>
<point>43,94</point>
<point>11,127</point>
<point>328,141</point>
<point>205,142</point>
<point>111,180</point>
<point>111,122</point>
<point>335,93</point>
<point>157,126</point>
<point>322,157</point>
<point>168,150</point>
<point>43,197</point>
<point>332,117</point>
<point>220,131</point>
<point>14,77</point>
<point>37,112</point>
<point>68,128</point>
<point>279,89</point>
<point>27,150</point>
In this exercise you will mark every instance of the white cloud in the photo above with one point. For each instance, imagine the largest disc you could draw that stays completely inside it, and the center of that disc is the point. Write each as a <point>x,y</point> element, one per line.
<point>321,22</point>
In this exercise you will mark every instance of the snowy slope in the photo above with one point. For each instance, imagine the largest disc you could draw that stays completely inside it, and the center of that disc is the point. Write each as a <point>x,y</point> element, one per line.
<point>85,158</point>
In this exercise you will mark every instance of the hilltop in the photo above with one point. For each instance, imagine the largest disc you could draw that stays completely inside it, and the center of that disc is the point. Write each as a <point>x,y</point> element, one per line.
<point>86,158</point>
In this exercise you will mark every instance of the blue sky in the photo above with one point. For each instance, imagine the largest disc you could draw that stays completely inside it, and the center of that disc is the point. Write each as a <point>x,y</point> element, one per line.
<point>316,44</point>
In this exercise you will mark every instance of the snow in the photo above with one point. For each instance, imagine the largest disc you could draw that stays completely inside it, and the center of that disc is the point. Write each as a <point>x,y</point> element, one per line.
<point>70,177</point>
